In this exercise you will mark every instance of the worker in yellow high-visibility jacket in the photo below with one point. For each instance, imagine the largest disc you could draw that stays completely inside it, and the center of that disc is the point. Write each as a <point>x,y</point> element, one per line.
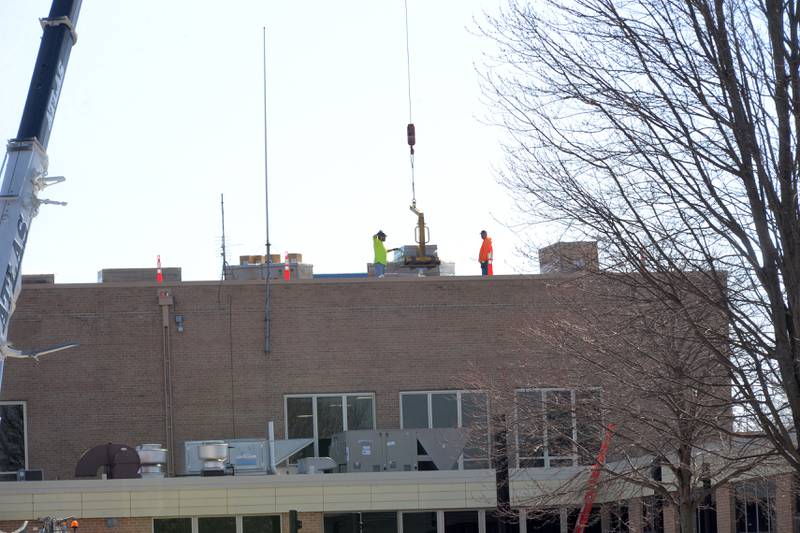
<point>380,253</point>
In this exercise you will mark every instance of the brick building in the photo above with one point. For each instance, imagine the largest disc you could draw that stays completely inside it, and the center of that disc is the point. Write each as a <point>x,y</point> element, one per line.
<point>186,361</point>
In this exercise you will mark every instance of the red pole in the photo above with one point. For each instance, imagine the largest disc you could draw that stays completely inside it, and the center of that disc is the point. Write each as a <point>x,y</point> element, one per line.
<point>594,477</point>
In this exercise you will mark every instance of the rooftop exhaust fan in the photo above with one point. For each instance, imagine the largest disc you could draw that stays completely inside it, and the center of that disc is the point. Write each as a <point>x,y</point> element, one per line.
<point>119,461</point>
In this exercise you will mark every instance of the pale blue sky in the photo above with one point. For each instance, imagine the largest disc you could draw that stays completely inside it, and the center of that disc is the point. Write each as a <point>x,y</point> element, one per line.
<point>161,112</point>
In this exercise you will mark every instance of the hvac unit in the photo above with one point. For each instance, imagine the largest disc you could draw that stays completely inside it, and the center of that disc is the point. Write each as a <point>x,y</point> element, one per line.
<point>398,450</point>
<point>30,475</point>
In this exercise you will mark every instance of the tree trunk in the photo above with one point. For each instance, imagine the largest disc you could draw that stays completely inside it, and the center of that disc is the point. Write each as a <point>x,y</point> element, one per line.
<point>686,520</point>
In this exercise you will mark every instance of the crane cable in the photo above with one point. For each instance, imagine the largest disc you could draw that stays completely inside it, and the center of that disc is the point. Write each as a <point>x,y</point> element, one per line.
<point>410,131</point>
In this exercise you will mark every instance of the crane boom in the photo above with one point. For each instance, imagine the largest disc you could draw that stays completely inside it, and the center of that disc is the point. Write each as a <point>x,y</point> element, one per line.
<point>25,169</point>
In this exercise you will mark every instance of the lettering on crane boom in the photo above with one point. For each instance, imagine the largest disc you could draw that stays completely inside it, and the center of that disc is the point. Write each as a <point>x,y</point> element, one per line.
<point>52,102</point>
<point>12,274</point>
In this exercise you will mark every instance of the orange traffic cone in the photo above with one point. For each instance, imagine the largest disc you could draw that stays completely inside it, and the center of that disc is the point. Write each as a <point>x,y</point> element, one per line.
<point>490,270</point>
<point>286,273</point>
<point>159,275</point>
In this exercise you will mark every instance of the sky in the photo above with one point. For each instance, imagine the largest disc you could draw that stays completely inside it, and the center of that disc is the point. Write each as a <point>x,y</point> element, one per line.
<point>161,113</point>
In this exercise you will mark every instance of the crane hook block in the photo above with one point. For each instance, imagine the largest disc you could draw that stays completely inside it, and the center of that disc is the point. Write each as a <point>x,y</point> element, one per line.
<point>412,137</point>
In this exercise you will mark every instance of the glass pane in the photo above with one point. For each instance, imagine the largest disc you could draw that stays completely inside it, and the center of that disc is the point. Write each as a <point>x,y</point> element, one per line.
<point>415,411</point>
<point>172,525</point>
<point>474,409</point>
<point>592,525</point>
<point>589,425</point>
<point>558,405</point>
<point>475,418</point>
<point>300,419</point>
<point>652,515</point>
<point>261,524</point>
<point>755,507</point>
<point>618,515</point>
<point>359,412</point>
<point>341,523</point>
<point>544,521</point>
<point>461,522</point>
<point>419,522</point>
<point>300,416</point>
<point>361,523</point>
<point>216,524</point>
<point>12,437</point>
<point>329,421</point>
<point>493,523</point>
<point>378,522</point>
<point>476,464</point>
<point>530,429</point>
<point>445,410</point>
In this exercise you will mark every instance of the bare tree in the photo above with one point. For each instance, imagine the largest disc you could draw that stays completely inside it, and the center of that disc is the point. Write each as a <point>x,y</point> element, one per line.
<point>668,130</point>
<point>642,367</point>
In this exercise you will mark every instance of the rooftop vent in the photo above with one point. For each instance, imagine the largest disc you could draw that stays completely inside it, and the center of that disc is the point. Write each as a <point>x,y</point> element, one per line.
<point>127,275</point>
<point>253,267</point>
<point>38,279</point>
<point>118,461</point>
<point>568,257</point>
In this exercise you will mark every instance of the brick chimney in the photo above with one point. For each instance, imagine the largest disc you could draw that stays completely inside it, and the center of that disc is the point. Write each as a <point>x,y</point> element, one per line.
<point>568,257</point>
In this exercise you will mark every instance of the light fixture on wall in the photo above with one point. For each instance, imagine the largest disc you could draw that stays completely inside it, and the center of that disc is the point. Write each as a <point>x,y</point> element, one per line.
<point>179,322</point>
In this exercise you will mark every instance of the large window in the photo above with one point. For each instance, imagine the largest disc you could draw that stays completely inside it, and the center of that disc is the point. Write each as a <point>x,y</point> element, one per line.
<point>451,521</point>
<point>13,452</point>
<point>557,427</point>
<point>360,523</point>
<point>544,521</point>
<point>219,524</point>
<point>216,524</point>
<point>320,416</point>
<point>419,522</point>
<point>172,525</point>
<point>755,507</point>
<point>461,522</point>
<point>451,409</point>
<point>593,524</point>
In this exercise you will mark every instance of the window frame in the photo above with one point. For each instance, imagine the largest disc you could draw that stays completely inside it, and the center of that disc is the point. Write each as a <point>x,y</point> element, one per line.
<point>459,414</point>
<point>24,405</point>
<point>440,519</point>
<point>195,528</point>
<point>545,437</point>
<point>314,416</point>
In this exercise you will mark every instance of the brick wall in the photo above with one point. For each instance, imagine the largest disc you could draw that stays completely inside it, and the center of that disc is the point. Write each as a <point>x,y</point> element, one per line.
<point>726,517</point>
<point>785,490</point>
<point>312,522</point>
<point>380,336</point>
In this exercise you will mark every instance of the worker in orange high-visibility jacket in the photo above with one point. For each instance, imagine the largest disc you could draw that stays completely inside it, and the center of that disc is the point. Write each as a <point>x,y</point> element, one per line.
<point>486,255</point>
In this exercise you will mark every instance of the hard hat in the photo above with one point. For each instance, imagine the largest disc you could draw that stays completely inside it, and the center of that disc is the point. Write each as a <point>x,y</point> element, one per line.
<point>73,524</point>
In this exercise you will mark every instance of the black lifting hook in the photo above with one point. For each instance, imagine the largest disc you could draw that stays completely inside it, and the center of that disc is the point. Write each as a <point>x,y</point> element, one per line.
<point>412,138</point>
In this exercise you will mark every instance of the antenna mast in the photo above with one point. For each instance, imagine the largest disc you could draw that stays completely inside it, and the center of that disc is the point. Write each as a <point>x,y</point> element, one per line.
<point>266,205</point>
<point>225,266</point>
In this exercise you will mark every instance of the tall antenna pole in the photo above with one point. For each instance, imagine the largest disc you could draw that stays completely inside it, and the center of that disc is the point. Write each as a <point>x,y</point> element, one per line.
<point>266,203</point>
<point>225,267</point>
